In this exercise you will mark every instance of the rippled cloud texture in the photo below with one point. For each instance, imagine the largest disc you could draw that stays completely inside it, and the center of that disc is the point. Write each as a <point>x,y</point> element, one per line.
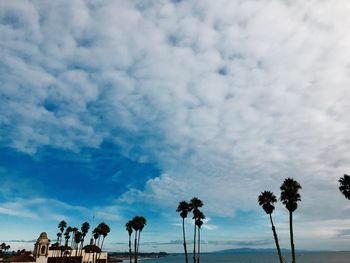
<point>225,98</point>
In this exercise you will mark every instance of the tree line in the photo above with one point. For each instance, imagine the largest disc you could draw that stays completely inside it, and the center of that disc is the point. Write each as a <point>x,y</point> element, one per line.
<point>74,238</point>
<point>4,248</point>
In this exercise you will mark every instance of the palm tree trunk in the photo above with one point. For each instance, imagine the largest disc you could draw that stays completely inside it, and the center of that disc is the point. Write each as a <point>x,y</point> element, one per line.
<point>199,244</point>
<point>135,251</point>
<point>291,236</point>
<point>138,241</point>
<point>184,236</point>
<point>194,244</point>
<point>99,255</point>
<point>130,247</point>
<point>276,240</point>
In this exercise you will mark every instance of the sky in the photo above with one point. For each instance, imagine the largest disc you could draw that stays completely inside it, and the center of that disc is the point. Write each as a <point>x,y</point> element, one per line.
<point>112,109</point>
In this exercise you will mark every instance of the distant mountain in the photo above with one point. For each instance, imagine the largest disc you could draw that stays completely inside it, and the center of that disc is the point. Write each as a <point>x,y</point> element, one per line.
<point>250,250</point>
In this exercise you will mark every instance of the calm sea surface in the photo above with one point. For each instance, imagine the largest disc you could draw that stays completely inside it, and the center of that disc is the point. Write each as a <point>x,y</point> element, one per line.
<point>309,257</point>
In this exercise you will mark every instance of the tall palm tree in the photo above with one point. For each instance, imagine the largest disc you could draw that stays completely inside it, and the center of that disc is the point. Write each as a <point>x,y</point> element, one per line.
<point>96,235</point>
<point>67,235</point>
<point>290,197</point>
<point>84,230</point>
<point>104,230</point>
<point>194,205</point>
<point>184,208</point>
<point>62,225</point>
<point>142,222</point>
<point>345,186</point>
<point>128,227</point>
<point>198,217</point>
<point>77,239</point>
<point>136,226</point>
<point>266,200</point>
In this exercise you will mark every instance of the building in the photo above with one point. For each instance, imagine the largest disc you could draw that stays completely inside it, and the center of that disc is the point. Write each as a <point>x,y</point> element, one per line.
<point>44,253</point>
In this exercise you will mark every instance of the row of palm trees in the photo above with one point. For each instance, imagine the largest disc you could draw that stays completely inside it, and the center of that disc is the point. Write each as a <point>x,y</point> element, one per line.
<point>136,224</point>
<point>184,208</point>
<point>289,197</point>
<point>78,236</point>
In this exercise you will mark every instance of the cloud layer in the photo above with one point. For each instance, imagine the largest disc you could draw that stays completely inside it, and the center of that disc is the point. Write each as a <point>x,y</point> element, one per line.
<point>227,98</point>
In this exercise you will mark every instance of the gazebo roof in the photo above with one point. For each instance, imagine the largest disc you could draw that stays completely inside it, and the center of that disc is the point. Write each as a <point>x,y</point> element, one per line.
<point>92,248</point>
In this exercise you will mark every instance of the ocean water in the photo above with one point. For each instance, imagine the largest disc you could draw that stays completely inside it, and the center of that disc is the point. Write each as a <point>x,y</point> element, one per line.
<point>308,257</point>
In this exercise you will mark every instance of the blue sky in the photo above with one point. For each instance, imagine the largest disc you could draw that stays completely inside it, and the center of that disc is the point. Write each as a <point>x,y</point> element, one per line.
<point>111,109</point>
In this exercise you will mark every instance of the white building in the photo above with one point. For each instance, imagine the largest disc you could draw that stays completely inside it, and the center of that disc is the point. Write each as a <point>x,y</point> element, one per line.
<point>43,253</point>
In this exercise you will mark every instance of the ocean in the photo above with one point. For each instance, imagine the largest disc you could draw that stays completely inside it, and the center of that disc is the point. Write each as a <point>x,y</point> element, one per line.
<point>307,257</point>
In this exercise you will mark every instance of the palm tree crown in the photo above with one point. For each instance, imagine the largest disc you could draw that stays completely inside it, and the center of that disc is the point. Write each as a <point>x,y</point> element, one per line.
<point>345,186</point>
<point>195,203</point>
<point>198,216</point>
<point>183,208</point>
<point>290,194</point>
<point>62,225</point>
<point>267,199</point>
<point>128,227</point>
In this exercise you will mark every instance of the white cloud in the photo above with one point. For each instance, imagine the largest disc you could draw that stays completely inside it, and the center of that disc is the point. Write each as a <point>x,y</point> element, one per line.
<point>227,97</point>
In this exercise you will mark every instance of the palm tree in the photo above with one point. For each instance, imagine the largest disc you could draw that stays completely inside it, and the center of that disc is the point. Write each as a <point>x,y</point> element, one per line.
<point>77,239</point>
<point>142,222</point>
<point>67,235</point>
<point>84,230</point>
<point>104,230</point>
<point>345,186</point>
<point>198,217</point>
<point>194,205</point>
<point>290,197</point>
<point>138,223</point>
<point>96,234</point>
<point>184,208</point>
<point>266,200</point>
<point>62,225</point>
<point>128,227</point>
<point>136,226</point>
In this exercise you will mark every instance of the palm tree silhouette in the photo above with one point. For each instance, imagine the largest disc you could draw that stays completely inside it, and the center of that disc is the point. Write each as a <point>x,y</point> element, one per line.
<point>289,197</point>
<point>266,200</point>
<point>128,227</point>
<point>136,226</point>
<point>345,185</point>
<point>184,208</point>
<point>198,217</point>
<point>194,205</point>
<point>142,222</point>
<point>96,235</point>
<point>77,239</point>
<point>137,223</point>
<point>62,225</point>
<point>67,235</point>
<point>84,230</point>
<point>104,230</point>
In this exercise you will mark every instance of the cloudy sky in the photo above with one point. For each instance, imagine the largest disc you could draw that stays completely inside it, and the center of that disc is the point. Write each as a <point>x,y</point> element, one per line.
<point>111,109</point>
